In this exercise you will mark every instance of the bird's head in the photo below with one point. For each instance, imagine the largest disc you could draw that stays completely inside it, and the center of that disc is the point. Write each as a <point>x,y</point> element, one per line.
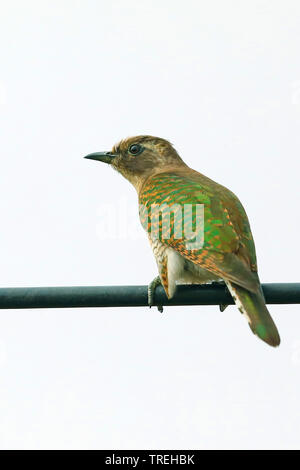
<point>136,158</point>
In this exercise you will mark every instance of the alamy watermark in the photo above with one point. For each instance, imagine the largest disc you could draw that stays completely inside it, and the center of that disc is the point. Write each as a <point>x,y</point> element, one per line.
<point>184,222</point>
<point>187,225</point>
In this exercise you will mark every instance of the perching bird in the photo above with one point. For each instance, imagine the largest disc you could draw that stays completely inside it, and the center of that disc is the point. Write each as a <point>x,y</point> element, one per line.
<point>225,248</point>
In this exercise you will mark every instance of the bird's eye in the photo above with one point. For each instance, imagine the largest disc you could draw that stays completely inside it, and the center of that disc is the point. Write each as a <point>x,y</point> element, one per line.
<point>135,149</point>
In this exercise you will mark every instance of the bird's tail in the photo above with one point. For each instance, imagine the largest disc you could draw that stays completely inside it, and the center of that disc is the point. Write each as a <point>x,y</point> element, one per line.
<point>253,306</point>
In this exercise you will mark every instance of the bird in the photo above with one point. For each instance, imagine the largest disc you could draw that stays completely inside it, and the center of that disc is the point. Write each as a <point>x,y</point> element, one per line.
<point>221,250</point>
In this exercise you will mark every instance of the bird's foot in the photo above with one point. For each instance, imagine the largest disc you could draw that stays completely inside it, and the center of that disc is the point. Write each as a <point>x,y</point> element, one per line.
<point>151,291</point>
<point>222,307</point>
<point>220,282</point>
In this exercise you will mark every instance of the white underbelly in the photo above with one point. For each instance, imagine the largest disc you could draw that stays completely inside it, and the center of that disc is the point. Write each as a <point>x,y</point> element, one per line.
<point>180,270</point>
<point>187,272</point>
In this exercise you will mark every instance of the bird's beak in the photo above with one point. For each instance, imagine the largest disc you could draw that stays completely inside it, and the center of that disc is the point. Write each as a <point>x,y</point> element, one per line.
<point>105,157</point>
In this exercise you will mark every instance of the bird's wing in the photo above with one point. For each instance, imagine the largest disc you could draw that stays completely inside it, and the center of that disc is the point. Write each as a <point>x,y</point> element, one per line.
<point>228,248</point>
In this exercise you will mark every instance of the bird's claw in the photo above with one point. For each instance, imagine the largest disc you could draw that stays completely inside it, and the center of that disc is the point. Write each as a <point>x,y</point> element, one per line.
<point>222,307</point>
<point>151,291</point>
<point>221,283</point>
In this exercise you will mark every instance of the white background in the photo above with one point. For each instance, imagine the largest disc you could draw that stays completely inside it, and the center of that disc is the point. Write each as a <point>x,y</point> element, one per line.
<point>221,80</point>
